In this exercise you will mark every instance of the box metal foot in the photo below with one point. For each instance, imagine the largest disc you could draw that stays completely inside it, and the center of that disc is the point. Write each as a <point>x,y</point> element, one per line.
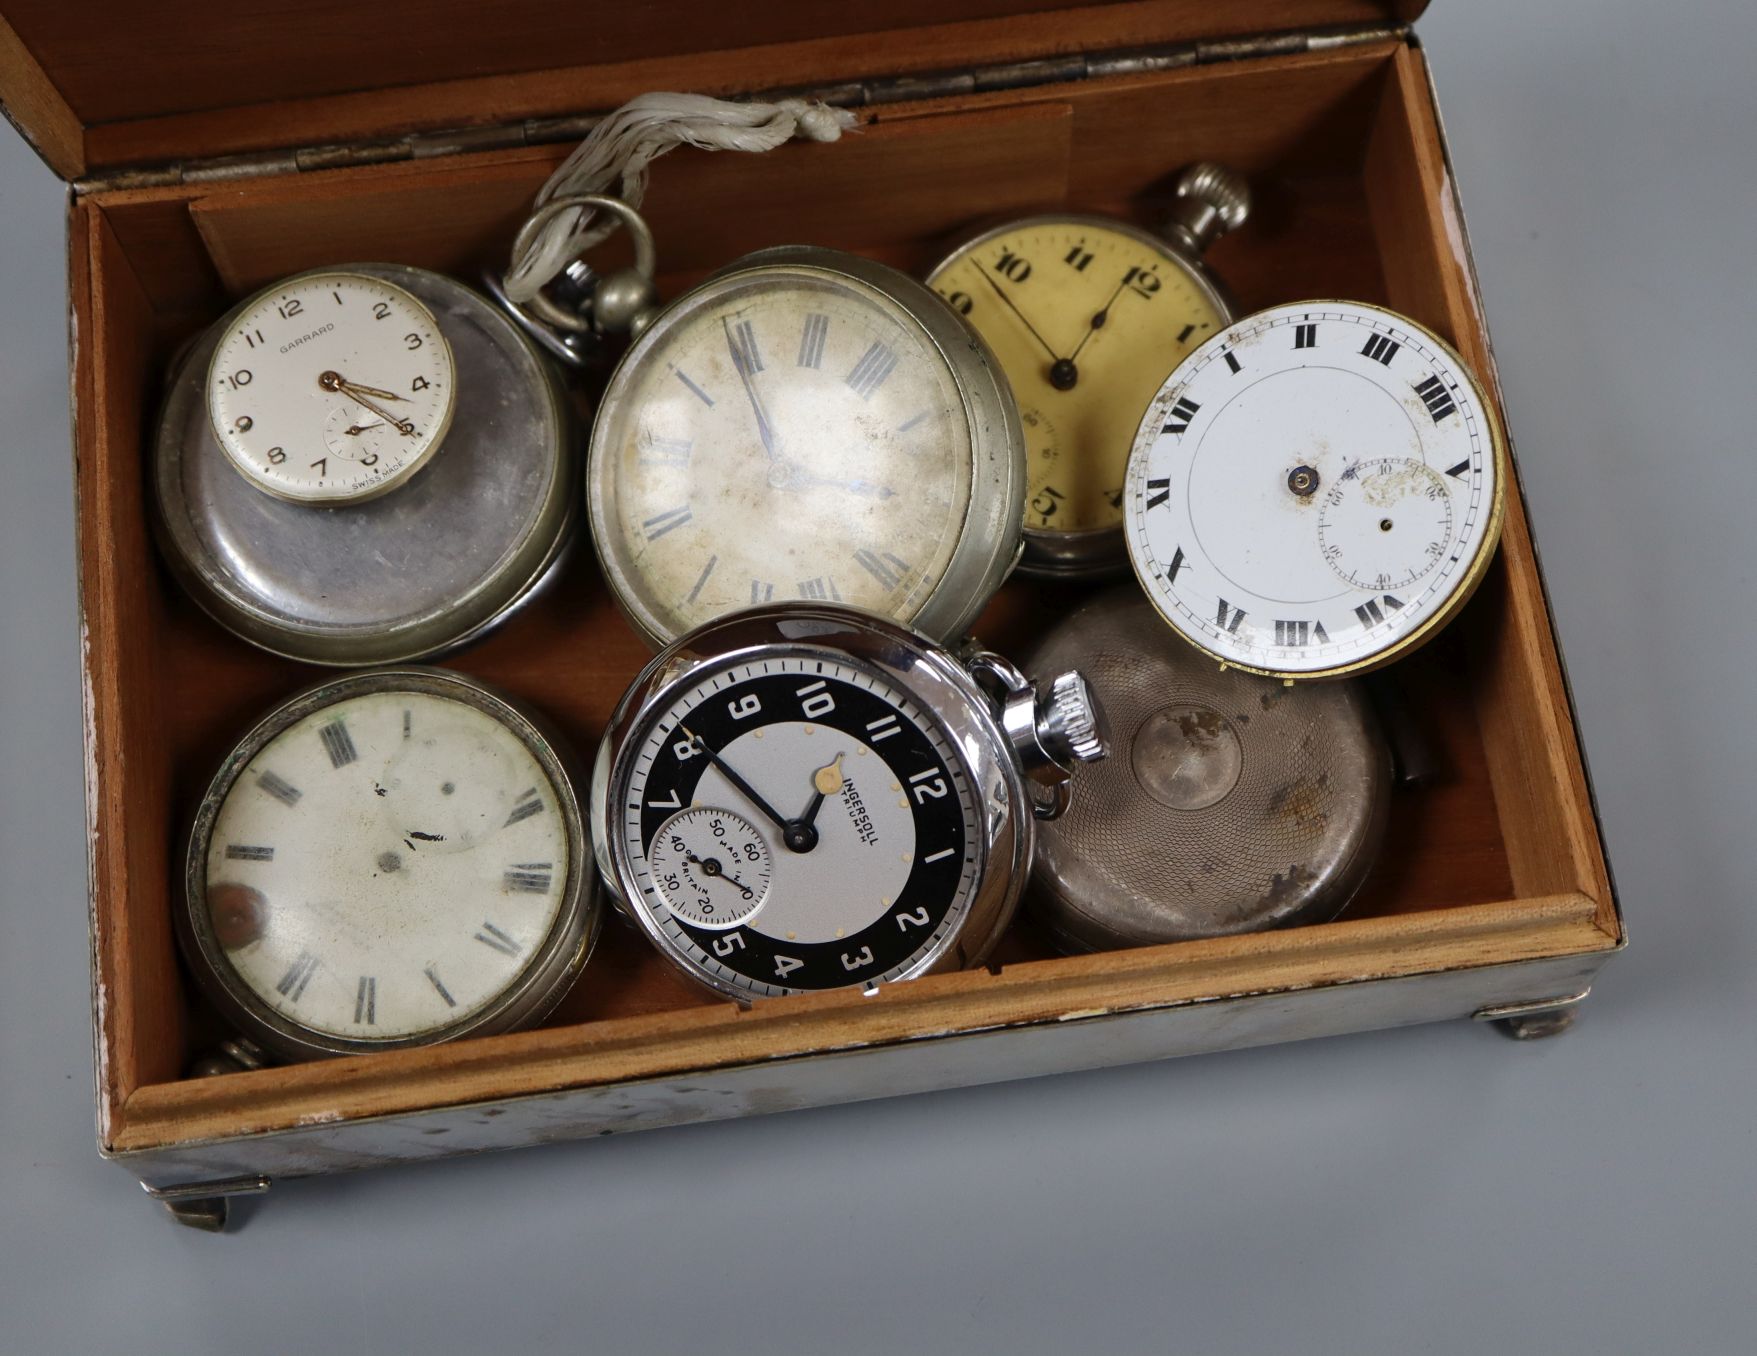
<point>1533,1021</point>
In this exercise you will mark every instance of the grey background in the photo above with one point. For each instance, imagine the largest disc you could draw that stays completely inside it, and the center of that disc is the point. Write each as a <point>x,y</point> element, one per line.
<point>1434,1189</point>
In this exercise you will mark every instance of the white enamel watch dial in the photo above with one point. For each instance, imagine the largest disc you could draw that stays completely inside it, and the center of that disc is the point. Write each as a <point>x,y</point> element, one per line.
<point>1316,490</point>
<point>808,426</point>
<point>390,860</point>
<point>331,387</point>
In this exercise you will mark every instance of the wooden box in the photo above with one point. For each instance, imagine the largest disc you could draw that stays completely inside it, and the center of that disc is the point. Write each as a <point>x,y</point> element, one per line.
<point>198,174</point>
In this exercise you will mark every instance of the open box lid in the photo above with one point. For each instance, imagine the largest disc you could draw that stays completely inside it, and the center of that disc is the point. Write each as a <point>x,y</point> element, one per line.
<point>105,87</point>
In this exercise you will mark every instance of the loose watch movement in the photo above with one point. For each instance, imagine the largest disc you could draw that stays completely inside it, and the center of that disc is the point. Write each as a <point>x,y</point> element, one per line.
<point>806,424</point>
<point>391,858</point>
<point>803,796</point>
<point>1230,802</point>
<point>364,465</point>
<point>1316,490</point>
<point>1086,315</point>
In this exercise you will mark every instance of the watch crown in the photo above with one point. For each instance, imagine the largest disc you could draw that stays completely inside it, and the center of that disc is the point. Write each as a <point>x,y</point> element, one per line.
<point>1211,200</point>
<point>1073,725</point>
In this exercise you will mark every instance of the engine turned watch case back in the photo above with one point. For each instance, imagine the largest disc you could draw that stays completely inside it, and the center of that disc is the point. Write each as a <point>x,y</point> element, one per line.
<point>1230,802</point>
<point>1087,314</point>
<point>364,465</point>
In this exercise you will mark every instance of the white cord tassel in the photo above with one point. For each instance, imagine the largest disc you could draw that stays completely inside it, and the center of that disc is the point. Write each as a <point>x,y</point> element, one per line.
<point>628,140</point>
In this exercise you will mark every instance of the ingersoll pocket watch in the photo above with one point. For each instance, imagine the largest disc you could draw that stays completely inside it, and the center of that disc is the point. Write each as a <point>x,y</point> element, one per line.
<point>391,858</point>
<point>1086,315</point>
<point>364,465</point>
<point>1230,802</point>
<point>806,424</point>
<point>1316,490</point>
<point>802,796</point>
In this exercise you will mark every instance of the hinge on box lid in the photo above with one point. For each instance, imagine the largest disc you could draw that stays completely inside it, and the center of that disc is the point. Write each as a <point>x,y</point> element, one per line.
<point>846,94</point>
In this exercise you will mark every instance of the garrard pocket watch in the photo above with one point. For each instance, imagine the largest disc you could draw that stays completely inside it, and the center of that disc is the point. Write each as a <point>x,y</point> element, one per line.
<point>392,858</point>
<point>803,797</point>
<point>1230,802</point>
<point>364,465</point>
<point>1086,315</point>
<point>1316,490</point>
<point>806,424</point>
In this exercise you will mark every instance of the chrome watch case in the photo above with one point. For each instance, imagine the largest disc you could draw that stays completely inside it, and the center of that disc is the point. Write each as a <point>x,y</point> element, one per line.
<point>1016,744</point>
<point>991,539</point>
<point>414,573</point>
<point>543,983</point>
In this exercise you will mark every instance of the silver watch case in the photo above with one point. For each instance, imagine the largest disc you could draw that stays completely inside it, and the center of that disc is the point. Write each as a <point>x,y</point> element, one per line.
<point>990,542</point>
<point>913,662</point>
<point>413,573</point>
<point>1101,552</point>
<point>527,1000</point>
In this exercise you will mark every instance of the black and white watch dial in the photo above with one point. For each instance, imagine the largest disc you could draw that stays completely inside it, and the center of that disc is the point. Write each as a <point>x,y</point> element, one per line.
<point>804,797</point>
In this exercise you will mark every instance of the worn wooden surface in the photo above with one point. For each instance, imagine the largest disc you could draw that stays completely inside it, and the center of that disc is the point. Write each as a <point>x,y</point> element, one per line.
<point>1497,861</point>
<point>134,84</point>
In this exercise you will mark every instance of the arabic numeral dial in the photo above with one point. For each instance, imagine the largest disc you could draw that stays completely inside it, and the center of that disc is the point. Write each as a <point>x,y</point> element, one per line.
<point>796,823</point>
<point>331,387</point>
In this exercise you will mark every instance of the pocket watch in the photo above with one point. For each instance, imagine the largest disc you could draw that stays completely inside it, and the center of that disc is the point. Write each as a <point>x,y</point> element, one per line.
<point>806,424</point>
<point>1316,490</point>
<point>1230,802</point>
<point>392,858</point>
<point>1086,315</point>
<point>363,465</point>
<point>803,796</point>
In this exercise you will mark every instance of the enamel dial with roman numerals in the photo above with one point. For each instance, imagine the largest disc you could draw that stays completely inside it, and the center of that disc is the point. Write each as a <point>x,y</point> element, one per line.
<point>808,425</point>
<point>331,387</point>
<point>1316,490</point>
<point>392,859</point>
<point>802,796</point>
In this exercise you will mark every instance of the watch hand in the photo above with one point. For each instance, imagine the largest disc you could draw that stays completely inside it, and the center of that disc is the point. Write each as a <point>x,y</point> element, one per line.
<point>356,429</point>
<point>334,381</point>
<point>798,478</point>
<point>765,430</point>
<point>1097,322</point>
<point>370,390</point>
<point>1000,292</point>
<point>826,781</point>
<point>749,792</point>
<point>711,867</point>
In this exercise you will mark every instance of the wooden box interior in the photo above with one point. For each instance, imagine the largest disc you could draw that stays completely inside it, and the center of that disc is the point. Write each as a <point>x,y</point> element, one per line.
<point>1498,861</point>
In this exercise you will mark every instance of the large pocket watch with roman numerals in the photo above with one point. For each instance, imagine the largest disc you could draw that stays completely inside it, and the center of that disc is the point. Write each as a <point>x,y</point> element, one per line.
<point>1086,314</point>
<point>391,858</point>
<point>806,424</point>
<point>1316,490</point>
<point>364,465</point>
<point>802,796</point>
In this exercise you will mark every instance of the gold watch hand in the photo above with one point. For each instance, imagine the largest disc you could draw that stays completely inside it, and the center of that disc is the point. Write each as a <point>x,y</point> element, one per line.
<point>827,780</point>
<point>334,381</point>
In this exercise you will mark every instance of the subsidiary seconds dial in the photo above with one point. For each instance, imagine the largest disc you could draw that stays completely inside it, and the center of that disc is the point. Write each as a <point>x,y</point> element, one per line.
<point>331,387</point>
<point>1316,490</point>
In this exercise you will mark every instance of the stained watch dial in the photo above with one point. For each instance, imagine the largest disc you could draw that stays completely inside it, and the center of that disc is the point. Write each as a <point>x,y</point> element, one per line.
<point>331,387</point>
<point>1086,317</point>
<point>386,867</point>
<point>1315,490</point>
<point>795,823</point>
<point>783,433</point>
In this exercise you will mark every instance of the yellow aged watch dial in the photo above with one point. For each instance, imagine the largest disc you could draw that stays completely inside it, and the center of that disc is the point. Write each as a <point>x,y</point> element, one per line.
<point>1086,315</point>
